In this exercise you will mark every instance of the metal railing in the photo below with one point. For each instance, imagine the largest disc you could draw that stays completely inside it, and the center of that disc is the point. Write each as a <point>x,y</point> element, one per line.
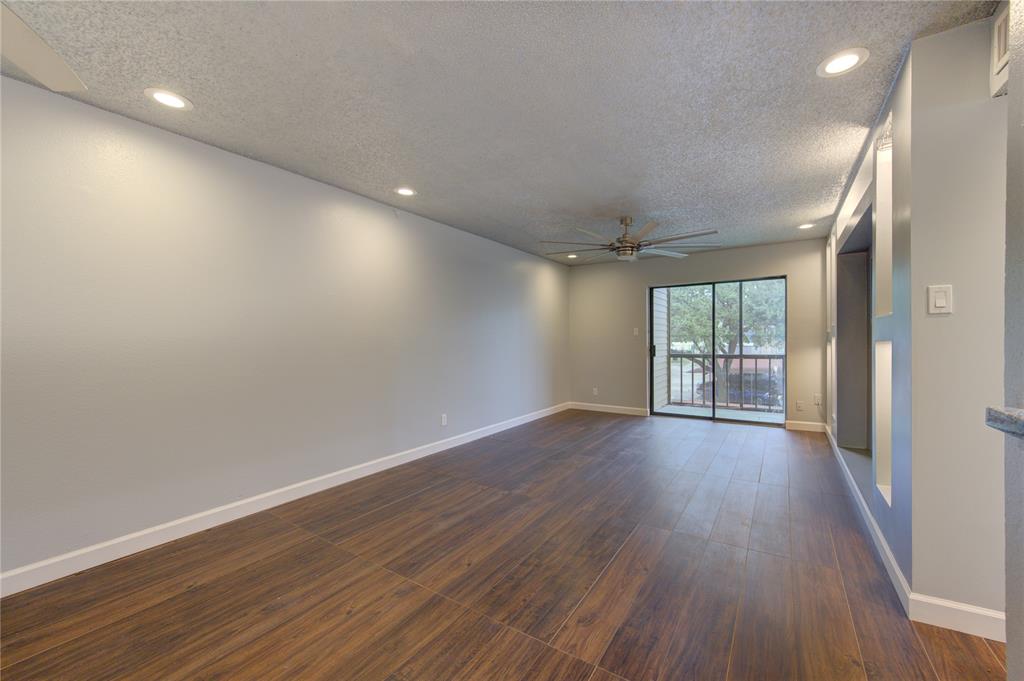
<point>748,382</point>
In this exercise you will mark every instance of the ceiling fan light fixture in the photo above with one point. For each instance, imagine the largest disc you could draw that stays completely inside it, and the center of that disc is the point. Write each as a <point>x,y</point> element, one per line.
<point>168,98</point>
<point>628,247</point>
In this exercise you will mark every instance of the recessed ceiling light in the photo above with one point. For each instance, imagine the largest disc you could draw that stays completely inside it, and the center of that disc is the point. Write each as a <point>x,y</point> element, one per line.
<point>842,62</point>
<point>572,256</point>
<point>406,191</point>
<point>806,225</point>
<point>168,98</point>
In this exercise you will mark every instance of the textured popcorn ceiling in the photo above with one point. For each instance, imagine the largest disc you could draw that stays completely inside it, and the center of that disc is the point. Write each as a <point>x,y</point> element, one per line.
<point>516,121</point>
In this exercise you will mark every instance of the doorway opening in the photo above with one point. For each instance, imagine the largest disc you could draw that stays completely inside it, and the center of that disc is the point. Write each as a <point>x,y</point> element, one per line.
<point>854,380</point>
<point>718,350</point>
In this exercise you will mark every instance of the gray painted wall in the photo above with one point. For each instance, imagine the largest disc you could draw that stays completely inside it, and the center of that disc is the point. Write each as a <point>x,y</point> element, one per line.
<point>184,327</point>
<point>1014,347</point>
<point>609,301</point>
<point>945,523</point>
<point>895,521</point>
<point>958,226</point>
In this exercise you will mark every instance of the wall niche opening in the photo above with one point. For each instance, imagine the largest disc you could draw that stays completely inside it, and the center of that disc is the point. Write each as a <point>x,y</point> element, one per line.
<point>853,320</point>
<point>882,445</point>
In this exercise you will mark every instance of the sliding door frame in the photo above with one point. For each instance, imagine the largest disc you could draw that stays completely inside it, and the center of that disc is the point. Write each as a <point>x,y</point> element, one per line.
<point>651,357</point>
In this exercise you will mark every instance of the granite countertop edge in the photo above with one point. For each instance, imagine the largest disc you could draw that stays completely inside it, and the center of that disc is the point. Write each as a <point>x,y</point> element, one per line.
<point>1006,419</point>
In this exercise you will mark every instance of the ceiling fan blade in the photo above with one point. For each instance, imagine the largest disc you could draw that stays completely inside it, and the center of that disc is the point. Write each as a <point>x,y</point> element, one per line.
<point>595,257</point>
<point>645,230</point>
<point>578,250</point>
<point>573,243</point>
<point>684,235</point>
<point>604,239</point>
<point>656,251</point>
<point>23,47</point>
<point>690,245</point>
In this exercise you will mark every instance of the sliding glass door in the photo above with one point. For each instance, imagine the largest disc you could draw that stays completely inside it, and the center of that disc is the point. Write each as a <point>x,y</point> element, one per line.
<point>719,350</point>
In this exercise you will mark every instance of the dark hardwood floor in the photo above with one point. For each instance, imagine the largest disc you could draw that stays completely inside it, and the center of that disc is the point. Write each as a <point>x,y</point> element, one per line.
<point>579,547</point>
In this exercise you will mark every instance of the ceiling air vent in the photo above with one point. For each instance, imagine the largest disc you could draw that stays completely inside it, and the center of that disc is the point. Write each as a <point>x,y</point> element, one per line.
<point>1000,50</point>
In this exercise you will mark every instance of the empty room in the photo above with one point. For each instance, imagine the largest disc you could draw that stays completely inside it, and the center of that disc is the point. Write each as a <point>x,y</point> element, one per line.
<point>512,341</point>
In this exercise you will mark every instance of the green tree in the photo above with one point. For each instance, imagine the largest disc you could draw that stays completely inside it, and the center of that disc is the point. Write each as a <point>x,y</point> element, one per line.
<point>690,314</point>
<point>764,315</point>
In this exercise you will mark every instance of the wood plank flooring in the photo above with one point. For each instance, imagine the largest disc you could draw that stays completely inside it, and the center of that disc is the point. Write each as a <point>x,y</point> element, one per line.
<point>580,547</point>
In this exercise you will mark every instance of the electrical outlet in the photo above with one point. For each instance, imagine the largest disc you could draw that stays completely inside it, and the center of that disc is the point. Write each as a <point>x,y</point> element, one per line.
<point>636,331</point>
<point>799,405</point>
<point>444,419</point>
<point>595,391</point>
<point>817,399</point>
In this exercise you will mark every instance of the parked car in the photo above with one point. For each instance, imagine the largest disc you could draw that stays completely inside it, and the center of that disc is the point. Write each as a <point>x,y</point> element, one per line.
<point>767,395</point>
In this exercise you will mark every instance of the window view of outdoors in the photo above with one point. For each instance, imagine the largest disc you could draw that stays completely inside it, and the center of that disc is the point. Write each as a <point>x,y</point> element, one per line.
<point>726,350</point>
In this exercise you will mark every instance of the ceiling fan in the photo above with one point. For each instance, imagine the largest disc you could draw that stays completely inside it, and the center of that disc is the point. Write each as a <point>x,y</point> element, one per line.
<point>629,246</point>
<point>26,50</point>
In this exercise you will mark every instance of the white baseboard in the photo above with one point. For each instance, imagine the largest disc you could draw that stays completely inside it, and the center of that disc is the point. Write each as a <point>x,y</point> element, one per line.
<point>896,576</point>
<point>28,576</point>
<point>941,612</point>
<point>609,408</point>
<point>810,426</point>
<point>970,619</point>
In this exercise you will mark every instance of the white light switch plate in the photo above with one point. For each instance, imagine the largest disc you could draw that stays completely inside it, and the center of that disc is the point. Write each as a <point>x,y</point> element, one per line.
<point>940,299</point>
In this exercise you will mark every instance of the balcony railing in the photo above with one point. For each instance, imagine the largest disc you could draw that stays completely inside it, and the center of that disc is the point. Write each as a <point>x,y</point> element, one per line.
<point>747,382</point>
